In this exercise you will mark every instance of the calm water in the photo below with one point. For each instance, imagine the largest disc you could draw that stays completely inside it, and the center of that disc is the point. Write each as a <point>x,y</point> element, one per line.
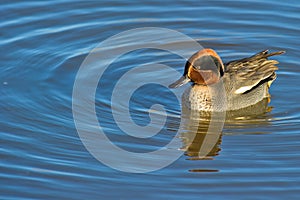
<point>42,47</point>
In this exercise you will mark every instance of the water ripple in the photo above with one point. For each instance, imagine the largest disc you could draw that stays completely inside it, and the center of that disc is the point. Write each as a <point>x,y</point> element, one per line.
<point>43,45</point>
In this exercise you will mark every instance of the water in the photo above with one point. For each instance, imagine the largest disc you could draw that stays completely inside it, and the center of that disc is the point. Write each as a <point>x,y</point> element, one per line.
<point>43,45</point>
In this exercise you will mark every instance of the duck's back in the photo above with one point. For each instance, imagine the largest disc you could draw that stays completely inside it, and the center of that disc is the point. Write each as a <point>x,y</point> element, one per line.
<point>247,80</point>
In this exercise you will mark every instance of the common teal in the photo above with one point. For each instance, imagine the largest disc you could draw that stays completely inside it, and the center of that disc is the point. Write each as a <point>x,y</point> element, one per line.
<point>245,81</point>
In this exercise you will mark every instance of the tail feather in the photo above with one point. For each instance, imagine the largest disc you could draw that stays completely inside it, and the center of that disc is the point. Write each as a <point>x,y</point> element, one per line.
<point>266,54</point>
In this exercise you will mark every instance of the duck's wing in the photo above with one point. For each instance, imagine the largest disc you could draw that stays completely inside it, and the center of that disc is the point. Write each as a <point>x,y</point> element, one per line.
<point>248,73</point>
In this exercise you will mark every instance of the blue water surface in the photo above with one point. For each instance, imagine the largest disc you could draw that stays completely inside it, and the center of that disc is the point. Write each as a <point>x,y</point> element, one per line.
<point>43,44</point>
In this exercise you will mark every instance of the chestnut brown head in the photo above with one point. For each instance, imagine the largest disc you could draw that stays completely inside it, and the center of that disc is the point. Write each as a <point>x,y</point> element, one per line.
<point>204,67</point>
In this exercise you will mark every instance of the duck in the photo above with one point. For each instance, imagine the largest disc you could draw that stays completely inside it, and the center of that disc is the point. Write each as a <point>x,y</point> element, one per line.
<point>220,87</point>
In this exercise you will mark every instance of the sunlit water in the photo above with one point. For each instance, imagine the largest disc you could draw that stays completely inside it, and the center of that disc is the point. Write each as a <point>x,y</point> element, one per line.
<point>43,45</point>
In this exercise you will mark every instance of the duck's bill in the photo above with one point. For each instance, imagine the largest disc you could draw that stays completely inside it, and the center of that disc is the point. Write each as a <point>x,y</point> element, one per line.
<point>183,80</point>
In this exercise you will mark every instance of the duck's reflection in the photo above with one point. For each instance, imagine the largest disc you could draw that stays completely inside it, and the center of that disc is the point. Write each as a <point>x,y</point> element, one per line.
<point>201,132</point>
<point>194,146</point>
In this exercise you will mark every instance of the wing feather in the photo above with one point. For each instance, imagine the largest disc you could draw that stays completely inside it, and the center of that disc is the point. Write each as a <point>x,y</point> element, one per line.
<point>250,72</point>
